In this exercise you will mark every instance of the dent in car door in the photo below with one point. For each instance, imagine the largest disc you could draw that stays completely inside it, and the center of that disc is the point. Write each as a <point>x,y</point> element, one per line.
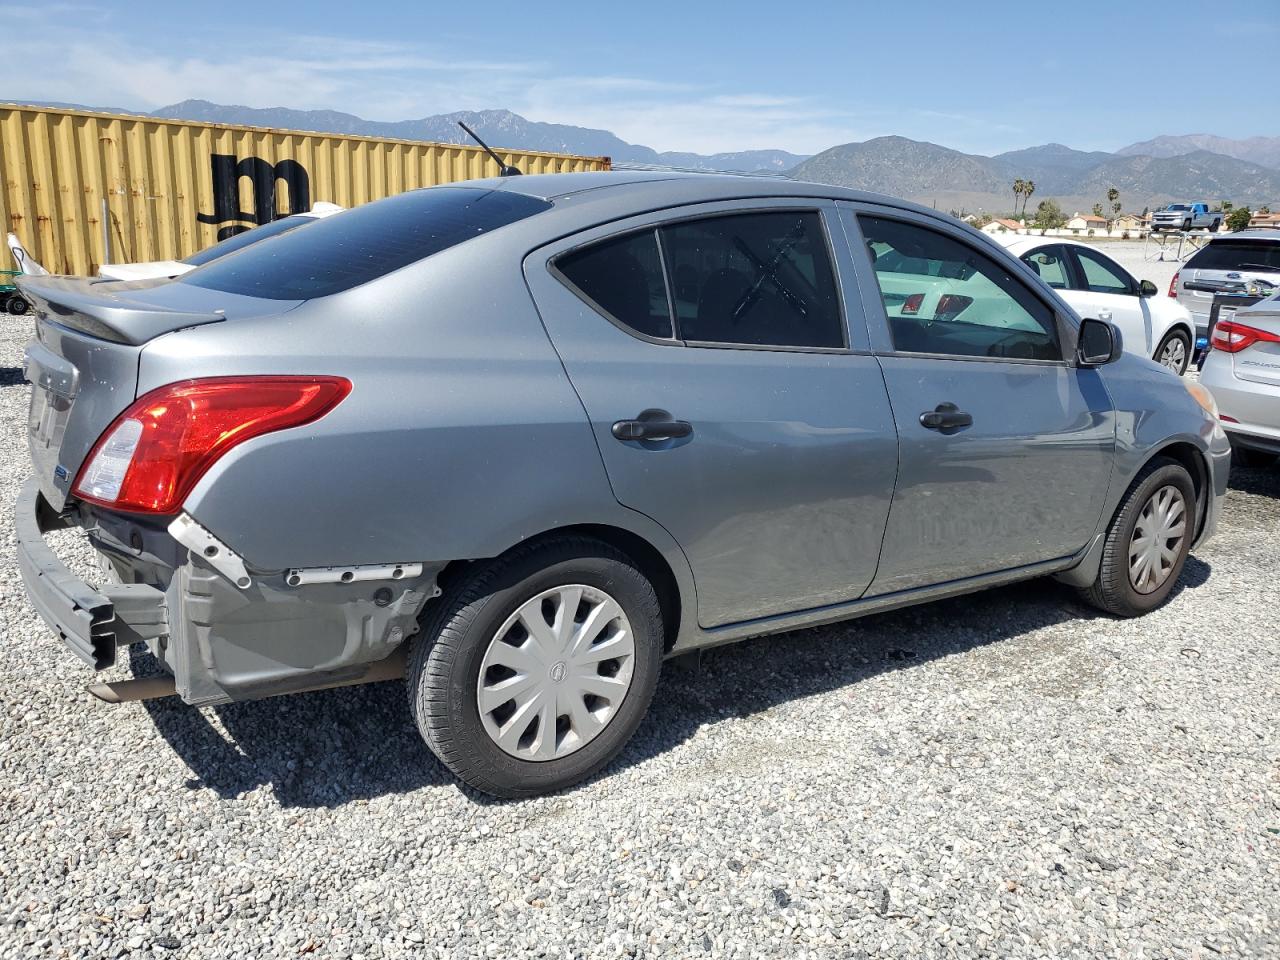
<point>780,490</point>
<point>1024,479</point>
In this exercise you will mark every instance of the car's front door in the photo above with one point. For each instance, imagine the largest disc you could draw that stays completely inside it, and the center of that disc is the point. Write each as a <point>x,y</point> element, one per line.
<point>1005,445</point>
<point>727,396</point>
<point>1110,293</point>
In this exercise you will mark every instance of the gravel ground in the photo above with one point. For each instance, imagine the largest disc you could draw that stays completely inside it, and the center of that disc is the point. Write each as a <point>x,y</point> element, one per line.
<point>1007,774</point>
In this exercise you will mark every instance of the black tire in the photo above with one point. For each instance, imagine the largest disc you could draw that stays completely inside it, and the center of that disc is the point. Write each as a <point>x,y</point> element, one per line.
<point>1113,590</point>
<point>17,306</point>
<point>445,660</point>
<point>1247,458</point>
<point>1169,337</point>
<point>1186,225</point>
<point>1213,227</point>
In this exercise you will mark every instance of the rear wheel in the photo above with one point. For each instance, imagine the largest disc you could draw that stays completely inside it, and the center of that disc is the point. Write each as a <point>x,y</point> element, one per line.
<point>1213,227</point>
<point>17,306</point>
<point>1174,351</point>
<point>533,672</point>
<point>1146,545</point>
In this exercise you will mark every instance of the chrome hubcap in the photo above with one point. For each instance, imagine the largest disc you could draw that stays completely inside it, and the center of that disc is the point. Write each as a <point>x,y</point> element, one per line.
<point>1157,539</point>
<point>556,673</point>
<point>1174,355</point>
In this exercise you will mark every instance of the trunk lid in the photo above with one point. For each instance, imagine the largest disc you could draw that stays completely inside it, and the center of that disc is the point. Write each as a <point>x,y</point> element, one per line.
<point>1260,362</point>
<point>83,362</point>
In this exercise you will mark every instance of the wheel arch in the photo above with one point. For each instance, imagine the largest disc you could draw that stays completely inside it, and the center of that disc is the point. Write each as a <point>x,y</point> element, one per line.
<point>1191,457</point>
<point>674,586</point>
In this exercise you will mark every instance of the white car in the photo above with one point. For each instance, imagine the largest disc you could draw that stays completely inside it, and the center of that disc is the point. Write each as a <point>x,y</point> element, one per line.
<point>168,269</point>
<point>1242,371</point>
<point>1096,286</point>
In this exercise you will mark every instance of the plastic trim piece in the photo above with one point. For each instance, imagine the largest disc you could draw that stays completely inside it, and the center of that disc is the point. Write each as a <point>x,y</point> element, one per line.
<point>217,554</point>
<point>352,574</point>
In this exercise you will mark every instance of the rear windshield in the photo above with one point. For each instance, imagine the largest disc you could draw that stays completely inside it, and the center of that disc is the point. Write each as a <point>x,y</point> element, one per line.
<point>1238,255</point>
<point>241,240</point>
<point>354,247</point>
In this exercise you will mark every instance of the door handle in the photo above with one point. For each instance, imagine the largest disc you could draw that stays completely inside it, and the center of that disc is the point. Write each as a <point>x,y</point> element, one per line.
<point>652,429</point>
<point>946,416</point>
<point>1105,315</point>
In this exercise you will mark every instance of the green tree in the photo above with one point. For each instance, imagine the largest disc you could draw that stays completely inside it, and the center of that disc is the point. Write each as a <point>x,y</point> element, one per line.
<point>1113,197</point>
<point>1028,188</point>
<point>1227,206</point>
<point>1238,218</point>
<point>1264,209</point>
<point>1018,186</point>
<point>1097,209</point>
<point>1049,215</point>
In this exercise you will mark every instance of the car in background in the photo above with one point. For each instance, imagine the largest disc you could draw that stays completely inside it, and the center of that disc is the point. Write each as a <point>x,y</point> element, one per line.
<point>539,432</point>
<point>1244,263</point>
<point>1186,216</point>
<point>1096,286</point>
<point>168,269</point>
<point>1242,371</point>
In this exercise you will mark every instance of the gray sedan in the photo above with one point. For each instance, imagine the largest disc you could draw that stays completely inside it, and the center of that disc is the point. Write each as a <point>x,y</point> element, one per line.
<point>521,439</point>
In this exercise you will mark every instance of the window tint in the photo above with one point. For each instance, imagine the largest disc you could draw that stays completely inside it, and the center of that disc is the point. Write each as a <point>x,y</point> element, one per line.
<point>356,246</point>
<point>943,296</point>
<point>623,279</point>
<point>1238,255</point>
<point>754,278</point>
<point>241,240</point>
<point>1100,274</point>
<point>1051,266</point>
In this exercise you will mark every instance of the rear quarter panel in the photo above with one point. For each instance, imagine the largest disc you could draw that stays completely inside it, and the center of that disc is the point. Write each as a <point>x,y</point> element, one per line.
<point>461,436</point>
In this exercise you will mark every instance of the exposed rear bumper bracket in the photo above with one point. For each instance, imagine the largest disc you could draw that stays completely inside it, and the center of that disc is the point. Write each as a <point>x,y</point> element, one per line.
<point>91,622</point>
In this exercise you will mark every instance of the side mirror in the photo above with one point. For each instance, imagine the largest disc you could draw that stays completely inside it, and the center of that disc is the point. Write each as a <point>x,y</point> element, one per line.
<point>1099,343</point>
<point>1147,289</point>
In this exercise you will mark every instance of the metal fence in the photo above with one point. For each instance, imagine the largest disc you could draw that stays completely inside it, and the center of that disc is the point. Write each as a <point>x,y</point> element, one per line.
<point>83,188</point>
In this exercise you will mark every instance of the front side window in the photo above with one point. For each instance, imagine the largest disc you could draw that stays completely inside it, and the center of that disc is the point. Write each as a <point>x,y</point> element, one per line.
<point>763,279</point>
<point>943,296</point>
<point>1050,265</point>
<point>1100,274</point>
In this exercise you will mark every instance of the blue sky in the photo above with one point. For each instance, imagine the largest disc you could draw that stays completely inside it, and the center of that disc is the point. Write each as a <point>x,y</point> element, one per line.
<point>980,77</point>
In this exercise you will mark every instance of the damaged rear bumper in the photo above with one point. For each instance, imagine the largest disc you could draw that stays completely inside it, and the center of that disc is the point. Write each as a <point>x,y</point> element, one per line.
<point>93,622</point>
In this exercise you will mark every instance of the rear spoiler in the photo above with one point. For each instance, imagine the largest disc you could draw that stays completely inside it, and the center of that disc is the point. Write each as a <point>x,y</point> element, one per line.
<point>26,263</point>
<point>82,304</point>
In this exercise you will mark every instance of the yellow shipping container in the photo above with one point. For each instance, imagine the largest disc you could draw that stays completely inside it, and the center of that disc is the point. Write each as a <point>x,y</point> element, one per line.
<point>167,188</point>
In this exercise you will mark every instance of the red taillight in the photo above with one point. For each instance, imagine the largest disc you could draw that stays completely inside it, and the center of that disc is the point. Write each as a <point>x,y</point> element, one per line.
<point>951,305</point>
<point>1173,286</point>
<point>1223,417</point>
<point>1232,337</point>
<point>154,453</point>
<point>911,306</point>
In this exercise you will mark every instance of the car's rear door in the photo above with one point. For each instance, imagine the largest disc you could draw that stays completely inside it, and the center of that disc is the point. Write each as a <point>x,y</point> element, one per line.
<point>726,322</point>
<point>1005,446</point>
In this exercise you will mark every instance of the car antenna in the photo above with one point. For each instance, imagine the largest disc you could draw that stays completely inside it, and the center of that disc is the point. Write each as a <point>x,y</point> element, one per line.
<point>504,169</point>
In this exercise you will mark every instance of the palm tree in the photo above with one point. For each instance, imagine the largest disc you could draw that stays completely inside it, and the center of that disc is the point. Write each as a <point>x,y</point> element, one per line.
<point>1018,186</point>
<point>1113,197</point>
<point>1028,189</point>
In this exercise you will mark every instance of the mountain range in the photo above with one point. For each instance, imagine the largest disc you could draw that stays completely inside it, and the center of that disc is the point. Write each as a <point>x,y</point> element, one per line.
<point>1147,174</point>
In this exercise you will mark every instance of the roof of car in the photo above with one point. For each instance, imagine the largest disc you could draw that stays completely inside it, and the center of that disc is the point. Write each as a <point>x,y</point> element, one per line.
<point>642,187</point>
<point>1265,233</point>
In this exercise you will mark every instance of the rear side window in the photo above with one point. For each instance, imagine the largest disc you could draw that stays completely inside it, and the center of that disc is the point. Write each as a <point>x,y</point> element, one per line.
<point>763,279</point>
<point>1237,255</point>
<point>1100,274</point>
<point>755,279</point>
<point>350,248</point>
<point>622,279</point>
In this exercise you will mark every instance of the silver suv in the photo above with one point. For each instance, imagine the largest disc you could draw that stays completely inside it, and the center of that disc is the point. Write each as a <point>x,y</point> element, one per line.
<point>533,435</point>
<point>1246,263</point>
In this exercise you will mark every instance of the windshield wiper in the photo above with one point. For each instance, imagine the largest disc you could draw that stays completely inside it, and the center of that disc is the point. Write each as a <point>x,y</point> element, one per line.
<point>1260,266</point>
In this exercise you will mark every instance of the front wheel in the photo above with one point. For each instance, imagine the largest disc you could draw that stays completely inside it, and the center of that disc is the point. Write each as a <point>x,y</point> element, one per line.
<point>1174,352</point>
<point>534,671</point>
<point>17,306</point>
<point>1147,542</point>
<point>1186,225</point>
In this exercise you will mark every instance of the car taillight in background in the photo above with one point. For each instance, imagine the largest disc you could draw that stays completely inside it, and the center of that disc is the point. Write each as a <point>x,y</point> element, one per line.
<point>951,305</point>
<point>154,453</point>
<point>911,306</point>
<point>1173,286</point>
<point>1230,336</point>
